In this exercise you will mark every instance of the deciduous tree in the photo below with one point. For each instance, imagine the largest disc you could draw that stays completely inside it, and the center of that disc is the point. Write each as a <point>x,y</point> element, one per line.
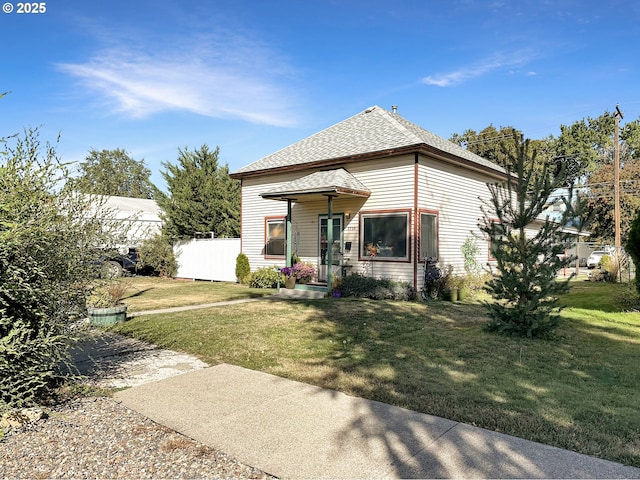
<point>114,172</point>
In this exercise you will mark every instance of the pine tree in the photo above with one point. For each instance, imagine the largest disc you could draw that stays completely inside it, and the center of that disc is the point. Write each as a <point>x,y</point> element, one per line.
<point>202,197</point>
<point>524,286</point>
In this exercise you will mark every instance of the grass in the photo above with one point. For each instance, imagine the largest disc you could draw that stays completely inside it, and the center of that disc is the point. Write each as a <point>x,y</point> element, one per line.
<point>150,293</point>
<point>579,390</point>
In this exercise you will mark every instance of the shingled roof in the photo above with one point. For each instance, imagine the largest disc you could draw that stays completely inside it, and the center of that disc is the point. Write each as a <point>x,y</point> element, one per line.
<point>374,131</point>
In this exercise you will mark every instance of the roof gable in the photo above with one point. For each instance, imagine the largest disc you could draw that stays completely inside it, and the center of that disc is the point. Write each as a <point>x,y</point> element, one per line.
<point>373,130</point>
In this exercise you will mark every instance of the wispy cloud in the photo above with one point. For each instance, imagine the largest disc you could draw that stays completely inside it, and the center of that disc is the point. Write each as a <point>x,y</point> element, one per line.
<point>496,62</point>
<point>234,79</point>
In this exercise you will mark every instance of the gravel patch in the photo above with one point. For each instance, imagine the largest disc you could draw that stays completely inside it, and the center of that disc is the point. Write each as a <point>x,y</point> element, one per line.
<point>97,437</point>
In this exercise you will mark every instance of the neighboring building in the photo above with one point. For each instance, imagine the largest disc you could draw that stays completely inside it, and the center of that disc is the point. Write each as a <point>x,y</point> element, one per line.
<point>139,218</point>
<point>392,192</point>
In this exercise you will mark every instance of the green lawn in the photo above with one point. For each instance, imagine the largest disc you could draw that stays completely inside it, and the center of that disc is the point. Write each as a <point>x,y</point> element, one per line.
<point>150,293</point>
<point>579,391</point>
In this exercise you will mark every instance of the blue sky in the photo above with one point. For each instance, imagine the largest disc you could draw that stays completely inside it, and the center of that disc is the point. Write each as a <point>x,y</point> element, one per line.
<point>255,76</point>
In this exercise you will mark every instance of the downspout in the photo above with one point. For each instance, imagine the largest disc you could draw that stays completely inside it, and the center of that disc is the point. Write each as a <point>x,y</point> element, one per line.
<point>289,234</point>
<point>329,241</point>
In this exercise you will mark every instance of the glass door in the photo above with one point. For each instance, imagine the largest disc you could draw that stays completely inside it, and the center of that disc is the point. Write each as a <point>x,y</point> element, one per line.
<point>323,246</point>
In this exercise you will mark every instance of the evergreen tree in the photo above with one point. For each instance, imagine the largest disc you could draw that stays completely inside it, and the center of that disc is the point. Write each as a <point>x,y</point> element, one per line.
<point>202,196</point>
<point>524,286</point>
<point>113,172</point>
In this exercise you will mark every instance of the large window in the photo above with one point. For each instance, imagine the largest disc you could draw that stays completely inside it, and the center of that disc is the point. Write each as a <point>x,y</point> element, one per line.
<point>275,234</point>
<point>428,235</point>
<point>384,236</point>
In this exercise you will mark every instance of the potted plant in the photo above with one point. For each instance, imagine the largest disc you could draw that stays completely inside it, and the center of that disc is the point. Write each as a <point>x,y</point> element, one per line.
<point>289,277</point>
<point>457,288</point>
<point>303,272</point>
<point>104,304</point>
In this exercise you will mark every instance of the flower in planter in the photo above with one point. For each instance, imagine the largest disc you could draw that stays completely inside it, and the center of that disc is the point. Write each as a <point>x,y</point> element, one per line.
<point>303,272</point>
<point>107,295</point>
<point>287,272</point>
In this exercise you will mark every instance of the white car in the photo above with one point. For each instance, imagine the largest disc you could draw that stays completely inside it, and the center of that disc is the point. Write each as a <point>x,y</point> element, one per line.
<point>595,257</point>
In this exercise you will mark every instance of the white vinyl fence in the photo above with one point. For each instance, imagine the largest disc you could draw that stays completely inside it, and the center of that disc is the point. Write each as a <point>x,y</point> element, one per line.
<point>208,259</point>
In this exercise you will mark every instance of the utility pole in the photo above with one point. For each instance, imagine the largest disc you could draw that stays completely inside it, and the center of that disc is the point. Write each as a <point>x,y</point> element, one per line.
<point>616,176</point>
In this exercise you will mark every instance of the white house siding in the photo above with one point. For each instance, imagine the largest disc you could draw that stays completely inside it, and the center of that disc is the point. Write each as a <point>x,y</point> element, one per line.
<point>391,182</point>
<point>254,211</point>
<point>455,193</point>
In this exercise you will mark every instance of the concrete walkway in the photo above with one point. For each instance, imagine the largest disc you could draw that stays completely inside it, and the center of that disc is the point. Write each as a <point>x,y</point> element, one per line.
<point>294,430</point>
<point>108,360</point>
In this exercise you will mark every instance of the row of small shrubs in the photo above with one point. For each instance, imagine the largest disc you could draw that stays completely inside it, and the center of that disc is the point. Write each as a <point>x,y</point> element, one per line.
<point>357,285</point>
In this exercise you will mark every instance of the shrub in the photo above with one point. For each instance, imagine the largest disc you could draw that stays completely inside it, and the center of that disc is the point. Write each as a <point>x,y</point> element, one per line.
<point>633,246</point>
<point>265,277</point>
<point>48,245</point>
<point>156,253</point>
<point>243,269</point>
<point>470,251</point>
<point>611,265</point>
<point>356,285</point>
<point>629,298</point>
<point>107,294</point>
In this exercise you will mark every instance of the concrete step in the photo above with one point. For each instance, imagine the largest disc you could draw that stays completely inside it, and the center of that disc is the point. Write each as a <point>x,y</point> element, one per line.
<point>303,291</point>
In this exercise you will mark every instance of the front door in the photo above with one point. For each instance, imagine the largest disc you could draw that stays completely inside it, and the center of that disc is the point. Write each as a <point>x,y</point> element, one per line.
<point>336,249</point>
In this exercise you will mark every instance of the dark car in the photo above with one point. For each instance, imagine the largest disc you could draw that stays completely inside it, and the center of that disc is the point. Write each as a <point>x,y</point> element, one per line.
<point>117,265</point>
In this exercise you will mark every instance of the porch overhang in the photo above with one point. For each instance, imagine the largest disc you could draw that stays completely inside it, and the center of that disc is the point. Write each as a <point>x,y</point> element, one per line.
<point>318,186</point>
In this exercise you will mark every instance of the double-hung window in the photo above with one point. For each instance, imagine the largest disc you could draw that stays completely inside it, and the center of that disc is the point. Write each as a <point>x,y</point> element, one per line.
<point>275,237</point>
<point>428,234</point>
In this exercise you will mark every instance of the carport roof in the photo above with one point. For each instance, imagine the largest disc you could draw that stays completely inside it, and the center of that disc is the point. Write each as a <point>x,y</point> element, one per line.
<point>336,182</point>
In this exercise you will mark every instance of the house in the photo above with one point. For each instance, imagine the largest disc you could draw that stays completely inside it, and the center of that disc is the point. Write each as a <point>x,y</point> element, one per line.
<point>373,194</point>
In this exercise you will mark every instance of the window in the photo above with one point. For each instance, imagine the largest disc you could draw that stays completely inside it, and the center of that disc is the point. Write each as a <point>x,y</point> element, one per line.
<point>428,235</point>
<point>384,236</point>
<point>275,234</point>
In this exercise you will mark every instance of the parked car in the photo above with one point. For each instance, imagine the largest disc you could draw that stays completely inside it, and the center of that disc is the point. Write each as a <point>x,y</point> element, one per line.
<point>595,257</point>
<point>117,265</point>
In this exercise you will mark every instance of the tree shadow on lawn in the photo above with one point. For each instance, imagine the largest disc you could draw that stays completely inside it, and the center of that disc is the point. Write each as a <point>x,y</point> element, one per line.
<point>138,293</point>
<point>436,359</point>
